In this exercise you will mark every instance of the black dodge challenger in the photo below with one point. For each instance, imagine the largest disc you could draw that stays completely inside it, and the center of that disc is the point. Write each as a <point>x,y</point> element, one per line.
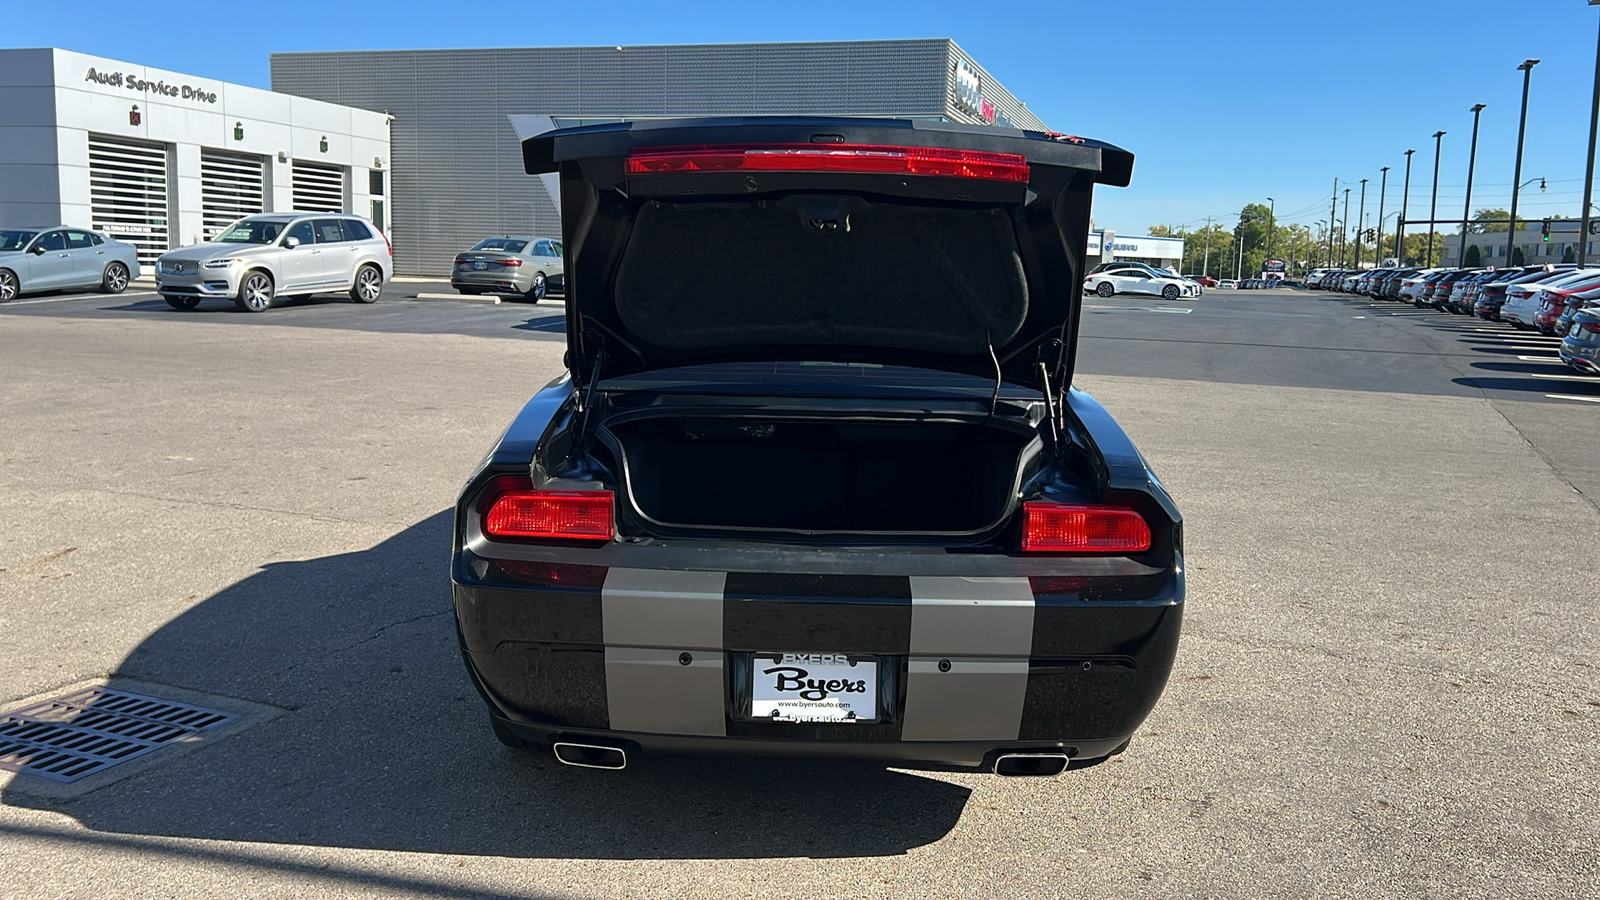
<point>816,480</point>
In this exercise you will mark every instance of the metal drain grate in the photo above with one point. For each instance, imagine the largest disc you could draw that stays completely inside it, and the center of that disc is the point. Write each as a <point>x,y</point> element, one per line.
<point>88,731</point>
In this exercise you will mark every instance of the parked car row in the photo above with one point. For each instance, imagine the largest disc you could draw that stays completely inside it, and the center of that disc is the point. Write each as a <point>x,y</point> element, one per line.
<point>1558,300</point>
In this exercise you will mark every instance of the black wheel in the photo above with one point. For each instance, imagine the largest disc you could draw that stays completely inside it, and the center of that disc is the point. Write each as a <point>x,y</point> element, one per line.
<point>115,279</point>
<point>505,735</point>
<point>180,302</point>
<point>256,292</point>
<point>469,292</point>
<point>1104,289</point>
<point>1169,293</point>
<point>540,286</point>
<point>369,285</point>
<point>9,286</point>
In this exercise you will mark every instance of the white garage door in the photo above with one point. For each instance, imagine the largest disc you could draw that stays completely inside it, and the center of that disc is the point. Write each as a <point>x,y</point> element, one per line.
<point>318,187</point>
<point>128,193</point>
<point>232,186</point>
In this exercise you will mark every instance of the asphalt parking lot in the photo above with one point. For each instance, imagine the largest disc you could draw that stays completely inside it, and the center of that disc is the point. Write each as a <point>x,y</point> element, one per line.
<point>1387,684</point>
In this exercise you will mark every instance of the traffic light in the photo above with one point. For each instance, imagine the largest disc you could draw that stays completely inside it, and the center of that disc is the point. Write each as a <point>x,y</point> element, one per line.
<point>1546,231</point>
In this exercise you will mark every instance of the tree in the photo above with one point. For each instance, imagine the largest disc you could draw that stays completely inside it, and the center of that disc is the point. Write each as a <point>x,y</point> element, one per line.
<point>1474,256</point>
<point>1416,249</point>
<point>1492,227</point>
<point>1569,256</point>
<point>1163,231</point>
<point>1517,258</point>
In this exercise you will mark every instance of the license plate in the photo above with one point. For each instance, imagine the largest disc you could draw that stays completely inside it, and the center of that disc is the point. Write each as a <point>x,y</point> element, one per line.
<point>480,265</point>
<point>814,687</point>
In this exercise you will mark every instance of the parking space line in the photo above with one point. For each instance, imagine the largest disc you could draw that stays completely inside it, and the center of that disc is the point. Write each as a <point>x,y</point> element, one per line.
<point>1573,397</point>
<point>80,297</point>
<point>1554,359</point>
<point>1586,379</point>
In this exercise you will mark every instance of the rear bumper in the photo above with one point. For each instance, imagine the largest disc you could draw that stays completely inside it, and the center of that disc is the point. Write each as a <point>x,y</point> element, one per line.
<point>1584,358</point>
<point>660,660</point>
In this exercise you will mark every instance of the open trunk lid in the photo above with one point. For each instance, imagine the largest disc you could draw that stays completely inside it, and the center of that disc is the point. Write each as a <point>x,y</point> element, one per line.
<point>892,242</point>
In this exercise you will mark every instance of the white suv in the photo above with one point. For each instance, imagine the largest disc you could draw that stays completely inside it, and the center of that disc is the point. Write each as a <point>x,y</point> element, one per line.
<point>259,258</point>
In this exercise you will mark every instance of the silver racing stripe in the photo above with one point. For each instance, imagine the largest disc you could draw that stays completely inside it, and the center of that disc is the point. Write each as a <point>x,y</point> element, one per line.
<point>968,673</point>
<point>663,639</point>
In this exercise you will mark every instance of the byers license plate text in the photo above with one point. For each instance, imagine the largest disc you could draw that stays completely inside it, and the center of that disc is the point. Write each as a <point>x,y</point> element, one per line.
<point>814,687</point>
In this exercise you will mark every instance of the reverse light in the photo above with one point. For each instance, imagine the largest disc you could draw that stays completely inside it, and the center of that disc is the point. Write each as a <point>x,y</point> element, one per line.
<point>857,158</point>
<point>553,515</point>
<point>1071,528</point>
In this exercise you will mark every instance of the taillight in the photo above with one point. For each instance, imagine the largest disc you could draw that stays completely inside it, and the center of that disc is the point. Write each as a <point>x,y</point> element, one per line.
<point>553,515</point>
<point>461,260</point>
<point>387,243</point>
<point>1591,327</point>
<point>1068,528</point>
<point>513,262</point>
<point>832,158</point>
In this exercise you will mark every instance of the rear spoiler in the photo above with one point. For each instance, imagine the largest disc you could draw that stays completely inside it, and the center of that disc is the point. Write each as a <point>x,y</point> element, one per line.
<point>1108,164</point>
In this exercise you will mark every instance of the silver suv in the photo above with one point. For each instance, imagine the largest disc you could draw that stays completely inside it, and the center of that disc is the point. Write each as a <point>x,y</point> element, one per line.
<point>259,258</point>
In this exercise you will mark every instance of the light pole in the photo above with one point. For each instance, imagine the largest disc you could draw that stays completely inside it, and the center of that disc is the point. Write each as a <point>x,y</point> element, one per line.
<point>1333,219</point>
<point>1205,267</point>
<point>1588,172</point>
<point>1344,230</point>
<point>1324,225</point>
<point>1433,210</point>
<point>1466,209</point>
<point>1361,215</point>
<point>1272,223</point>
<point>1405,202</point>
<point>1522,128</point>
<point>1383,191</point>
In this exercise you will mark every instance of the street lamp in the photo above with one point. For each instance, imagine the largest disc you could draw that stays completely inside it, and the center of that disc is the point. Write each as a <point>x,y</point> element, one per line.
<point>1466,209</point>
<point>1272,223</point>
<point>1323,225</point>
<point>1588,172</point>
<point>1344,230</point>
<point>1383,192</point>
<point>1433,210</point>
<point>1361,215</point>
<point>1333,219</point>
<point>1405,203</point>
<point>1522,128</point>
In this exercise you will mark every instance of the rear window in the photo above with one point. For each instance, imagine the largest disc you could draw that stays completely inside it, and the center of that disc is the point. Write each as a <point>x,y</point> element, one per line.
<point>507,245</point>
<point>355,231</point>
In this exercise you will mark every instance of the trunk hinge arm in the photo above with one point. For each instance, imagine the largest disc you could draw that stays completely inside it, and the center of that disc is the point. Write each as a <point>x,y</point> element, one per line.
<point>1055,397</point>
<point>994,396</point>
<point>583,402</point>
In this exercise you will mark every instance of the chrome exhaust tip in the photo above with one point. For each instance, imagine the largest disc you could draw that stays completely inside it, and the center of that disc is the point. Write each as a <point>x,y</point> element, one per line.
<point>1030,765</point>
<point>590,756</point>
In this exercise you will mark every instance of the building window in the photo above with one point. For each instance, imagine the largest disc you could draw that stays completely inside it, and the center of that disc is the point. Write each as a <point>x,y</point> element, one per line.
<point>375,183</point>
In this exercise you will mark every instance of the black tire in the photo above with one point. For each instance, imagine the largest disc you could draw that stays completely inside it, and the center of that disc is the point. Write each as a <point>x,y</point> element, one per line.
<point>180,302</point>
<point>505,735</point>
<point>256,291</point>
<point>1104,289</point>
<point>539,289</point>
<point>10,287</point>
<point>115,279</point>
<point>469,292</point>
<point>368,286</point>
<point>1170,293</point>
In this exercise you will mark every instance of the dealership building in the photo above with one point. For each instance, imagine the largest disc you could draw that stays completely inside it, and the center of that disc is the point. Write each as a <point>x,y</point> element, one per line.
<point>162,160</point>
<point>459,116</point>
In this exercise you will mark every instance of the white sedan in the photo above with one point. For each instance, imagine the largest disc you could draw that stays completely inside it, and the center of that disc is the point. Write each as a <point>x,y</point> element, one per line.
<point>1112,278</point>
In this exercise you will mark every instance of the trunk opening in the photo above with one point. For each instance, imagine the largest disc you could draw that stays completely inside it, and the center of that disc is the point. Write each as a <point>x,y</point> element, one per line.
<point>815,475</point>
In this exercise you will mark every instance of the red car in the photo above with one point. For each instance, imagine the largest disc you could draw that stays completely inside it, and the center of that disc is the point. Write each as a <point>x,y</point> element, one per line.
<point>1555,304</point>
<point>1205,280</point>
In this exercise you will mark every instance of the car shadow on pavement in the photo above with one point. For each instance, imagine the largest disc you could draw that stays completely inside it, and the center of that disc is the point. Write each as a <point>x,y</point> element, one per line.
<point>385,744</point>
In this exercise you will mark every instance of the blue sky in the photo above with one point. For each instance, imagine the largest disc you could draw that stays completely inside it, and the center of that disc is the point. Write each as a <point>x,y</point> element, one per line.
<point>1223,103</point>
